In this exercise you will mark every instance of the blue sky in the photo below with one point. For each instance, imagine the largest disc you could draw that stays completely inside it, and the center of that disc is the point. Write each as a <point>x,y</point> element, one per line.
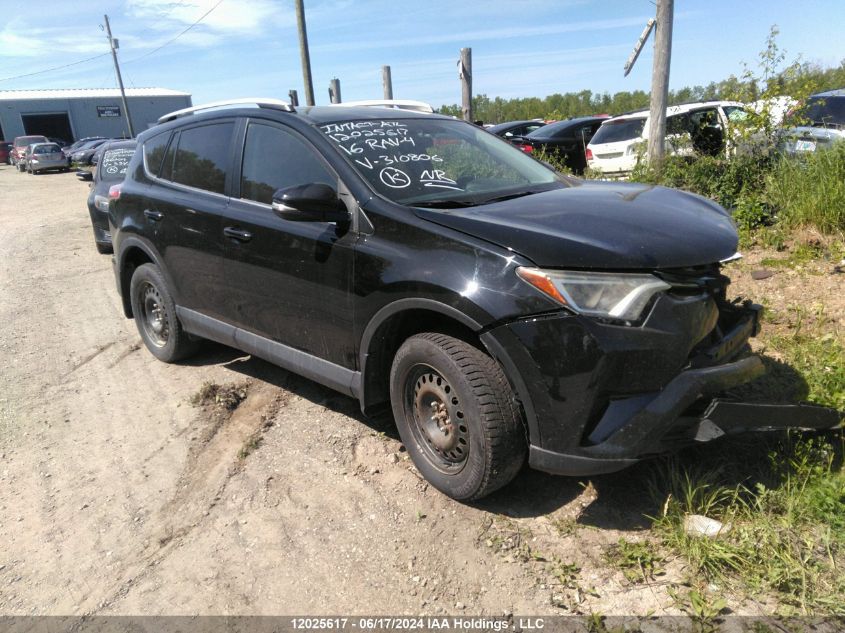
<point>520,48</point>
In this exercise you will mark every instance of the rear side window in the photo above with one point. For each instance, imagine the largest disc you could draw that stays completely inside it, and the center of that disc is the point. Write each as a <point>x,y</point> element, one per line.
<point>273,159</point>
<point>154,150</point>
<point>202,157</point>
<point>113,164</point>
<point>621,130</point>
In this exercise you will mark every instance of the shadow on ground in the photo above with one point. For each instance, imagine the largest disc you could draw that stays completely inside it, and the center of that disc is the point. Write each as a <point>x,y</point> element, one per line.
<point>623,501</point>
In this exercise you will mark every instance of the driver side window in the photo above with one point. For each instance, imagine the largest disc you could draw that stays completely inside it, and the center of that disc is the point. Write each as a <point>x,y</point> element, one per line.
<point>274,159</point>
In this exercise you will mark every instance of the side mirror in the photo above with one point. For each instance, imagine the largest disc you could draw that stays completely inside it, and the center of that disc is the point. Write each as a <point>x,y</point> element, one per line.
<point>85,175</point>
<point>315,202</point>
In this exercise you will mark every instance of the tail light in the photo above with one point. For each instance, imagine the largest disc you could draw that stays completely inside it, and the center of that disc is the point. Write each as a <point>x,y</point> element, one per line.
<point>114,192</point>
<point>526,148</point>
<point>589,154</point>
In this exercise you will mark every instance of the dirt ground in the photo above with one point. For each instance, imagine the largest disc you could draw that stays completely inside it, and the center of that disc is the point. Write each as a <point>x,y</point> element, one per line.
<point>124,491</point>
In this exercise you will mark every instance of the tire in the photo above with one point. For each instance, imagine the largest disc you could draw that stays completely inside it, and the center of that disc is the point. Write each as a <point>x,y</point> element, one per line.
<point>155,316</point>
<point>456,415</point>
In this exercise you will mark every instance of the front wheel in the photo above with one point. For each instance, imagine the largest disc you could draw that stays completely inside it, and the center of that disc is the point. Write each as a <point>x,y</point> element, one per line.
<point>457,416</point>
<point>155,315</point>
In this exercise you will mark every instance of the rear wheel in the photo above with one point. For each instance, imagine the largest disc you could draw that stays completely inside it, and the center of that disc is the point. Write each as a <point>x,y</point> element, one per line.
<point>155,316</point>
<point>457,416</point>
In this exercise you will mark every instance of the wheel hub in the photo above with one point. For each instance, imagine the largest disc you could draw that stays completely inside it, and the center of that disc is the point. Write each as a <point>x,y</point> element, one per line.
<point>155,315</point>
<point>438,417</point>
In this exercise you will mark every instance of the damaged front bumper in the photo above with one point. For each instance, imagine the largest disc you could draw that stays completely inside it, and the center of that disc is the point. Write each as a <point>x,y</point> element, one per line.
<point>611,396</point>
<point>661,425</point>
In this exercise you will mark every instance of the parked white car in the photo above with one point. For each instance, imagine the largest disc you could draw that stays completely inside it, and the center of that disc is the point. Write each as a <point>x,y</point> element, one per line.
<point>619,143</point>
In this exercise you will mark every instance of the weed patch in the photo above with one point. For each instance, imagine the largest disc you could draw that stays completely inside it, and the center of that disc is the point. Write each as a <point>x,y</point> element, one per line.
<point>787,517</point>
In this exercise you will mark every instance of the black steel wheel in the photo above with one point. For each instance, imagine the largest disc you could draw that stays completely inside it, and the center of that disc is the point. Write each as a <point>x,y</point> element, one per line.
<point>155,316</point>
<point>457,415</point>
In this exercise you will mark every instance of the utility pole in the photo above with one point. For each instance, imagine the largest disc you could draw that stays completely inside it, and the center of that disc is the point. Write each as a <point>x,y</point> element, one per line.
<point>303,53</point>
<point>113,44</point>
<point>386,82</point>
<point>660,83</point>
<point>466,83</point>
<point>334,90</point>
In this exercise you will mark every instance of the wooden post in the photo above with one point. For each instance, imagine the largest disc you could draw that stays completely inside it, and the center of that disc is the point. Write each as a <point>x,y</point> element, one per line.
<point>305,57</point>
<point>660,82</point>
<point>113,45</point>
<point>466,83</point>
<point>334,90</point>
<point>386,82</point>
<point>293,97</point>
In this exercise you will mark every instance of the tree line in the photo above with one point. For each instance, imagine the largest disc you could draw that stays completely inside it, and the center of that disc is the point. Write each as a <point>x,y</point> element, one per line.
<point>792,81</point>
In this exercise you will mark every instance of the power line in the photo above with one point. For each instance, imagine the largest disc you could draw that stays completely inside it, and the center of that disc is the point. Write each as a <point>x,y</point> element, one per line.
<point>49,70</point>
<point>173,39</point>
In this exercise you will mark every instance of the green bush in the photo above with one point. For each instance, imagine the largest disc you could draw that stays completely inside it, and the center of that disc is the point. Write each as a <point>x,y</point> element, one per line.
<point>762,188</point>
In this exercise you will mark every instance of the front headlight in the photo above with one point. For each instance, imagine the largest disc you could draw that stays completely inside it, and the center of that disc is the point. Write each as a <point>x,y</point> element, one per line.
<point>622,296</point>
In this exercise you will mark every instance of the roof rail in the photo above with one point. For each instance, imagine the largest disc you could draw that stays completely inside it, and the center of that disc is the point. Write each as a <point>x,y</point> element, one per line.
<point>399,104</point>
<point>274,104</point>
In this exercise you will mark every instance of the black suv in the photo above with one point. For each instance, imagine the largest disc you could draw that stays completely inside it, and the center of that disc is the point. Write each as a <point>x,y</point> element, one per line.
<point>416,261</point>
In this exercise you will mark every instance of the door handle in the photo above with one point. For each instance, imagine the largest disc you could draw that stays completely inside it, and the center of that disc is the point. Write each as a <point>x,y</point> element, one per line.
<point>237,234</point>
<point>155,216</point>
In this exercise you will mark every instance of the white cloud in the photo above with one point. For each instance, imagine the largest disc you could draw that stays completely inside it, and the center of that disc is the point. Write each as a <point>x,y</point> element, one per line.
<point>231,17</point>
<point>468,36</point>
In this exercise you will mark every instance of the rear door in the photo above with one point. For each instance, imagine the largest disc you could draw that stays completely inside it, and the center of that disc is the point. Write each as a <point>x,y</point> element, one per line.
<point>185,206</point>
<point>287,281</point>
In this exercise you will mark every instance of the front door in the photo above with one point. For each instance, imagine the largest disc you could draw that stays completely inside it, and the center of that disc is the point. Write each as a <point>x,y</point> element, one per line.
<point>287,281</point>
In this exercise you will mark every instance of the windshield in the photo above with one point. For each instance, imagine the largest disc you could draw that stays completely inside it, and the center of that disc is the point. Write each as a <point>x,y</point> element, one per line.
<point>619,130</point>
<point>432,161</point>
<point>551,130</point>
<point>26,141</point>
<point>47,149</point>
<point>826,110</point>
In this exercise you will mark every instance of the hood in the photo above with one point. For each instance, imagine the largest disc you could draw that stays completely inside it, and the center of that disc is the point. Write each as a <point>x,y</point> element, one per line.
<point>602,225</point>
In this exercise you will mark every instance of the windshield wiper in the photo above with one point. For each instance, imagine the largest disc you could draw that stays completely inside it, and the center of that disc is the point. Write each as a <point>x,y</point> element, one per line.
<point>509,196</point>
<point>443,204</point>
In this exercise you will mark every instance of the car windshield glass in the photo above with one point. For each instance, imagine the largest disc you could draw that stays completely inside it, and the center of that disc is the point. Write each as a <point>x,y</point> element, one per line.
<point>620,130</point>
<point>26,141</point>
<point>431,160</point>
<point>47,149</point>
<point>826,110</point>
<point>553,129</point>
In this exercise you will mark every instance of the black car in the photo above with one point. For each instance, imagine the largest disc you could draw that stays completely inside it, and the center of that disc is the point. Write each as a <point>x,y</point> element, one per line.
<point>565,140</point>
<point>515,128</point>
<point>112,159</point>
<point>416,262</point>
<point>83,154</point>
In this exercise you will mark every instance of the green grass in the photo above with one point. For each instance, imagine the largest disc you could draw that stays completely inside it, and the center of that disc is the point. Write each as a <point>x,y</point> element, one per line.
<point>639,562</point>
<point>786,518</point>
<point>810,190</point>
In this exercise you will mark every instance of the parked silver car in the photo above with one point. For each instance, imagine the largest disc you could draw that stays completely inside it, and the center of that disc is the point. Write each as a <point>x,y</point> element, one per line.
<point>825,114</point>
<point>43,156</point>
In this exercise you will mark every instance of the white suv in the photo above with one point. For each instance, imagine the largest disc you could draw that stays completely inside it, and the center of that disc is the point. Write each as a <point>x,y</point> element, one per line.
<point>618,144</point>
